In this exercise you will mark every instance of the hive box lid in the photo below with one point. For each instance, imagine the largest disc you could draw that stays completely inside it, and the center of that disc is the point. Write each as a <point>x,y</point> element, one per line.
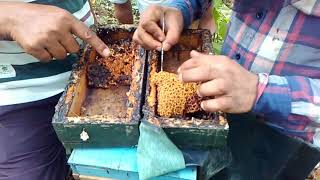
<point>119,163</point>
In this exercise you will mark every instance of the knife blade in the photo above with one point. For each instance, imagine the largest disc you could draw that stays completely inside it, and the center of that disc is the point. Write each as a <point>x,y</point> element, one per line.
<point>161,58</point>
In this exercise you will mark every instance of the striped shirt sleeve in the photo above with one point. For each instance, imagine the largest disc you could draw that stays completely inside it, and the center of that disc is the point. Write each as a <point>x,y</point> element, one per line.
<point>291,103</point>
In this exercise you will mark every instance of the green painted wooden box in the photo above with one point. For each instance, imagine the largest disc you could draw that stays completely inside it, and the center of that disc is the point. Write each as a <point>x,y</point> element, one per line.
<point>101,117</point>
<point>186,132</point>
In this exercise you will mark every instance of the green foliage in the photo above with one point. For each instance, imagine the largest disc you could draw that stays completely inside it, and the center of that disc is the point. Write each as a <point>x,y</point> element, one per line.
<point>221,14</point>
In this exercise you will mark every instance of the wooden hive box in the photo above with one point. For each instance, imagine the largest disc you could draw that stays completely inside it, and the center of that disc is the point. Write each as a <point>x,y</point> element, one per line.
<point>101,106</point>
<point>192,131</point>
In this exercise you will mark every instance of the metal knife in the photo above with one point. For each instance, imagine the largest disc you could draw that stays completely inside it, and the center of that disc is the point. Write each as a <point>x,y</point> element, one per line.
<point>161,63</point>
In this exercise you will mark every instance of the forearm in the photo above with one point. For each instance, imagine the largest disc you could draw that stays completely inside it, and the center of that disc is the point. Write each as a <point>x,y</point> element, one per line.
<point>290,102</point>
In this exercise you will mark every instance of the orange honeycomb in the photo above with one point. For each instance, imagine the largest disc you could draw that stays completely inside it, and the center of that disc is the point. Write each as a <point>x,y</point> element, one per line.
<point>117,68</point>
<point>175,98</point>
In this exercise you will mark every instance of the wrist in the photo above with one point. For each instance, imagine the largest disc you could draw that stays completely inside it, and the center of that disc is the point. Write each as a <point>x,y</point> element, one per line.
<point>262,81</point>
<point>183,14</point>
<point>253,82</point>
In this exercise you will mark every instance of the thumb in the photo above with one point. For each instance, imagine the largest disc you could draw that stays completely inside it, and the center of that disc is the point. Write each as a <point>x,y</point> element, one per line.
<point>174,27</point>
<point>195,53</point>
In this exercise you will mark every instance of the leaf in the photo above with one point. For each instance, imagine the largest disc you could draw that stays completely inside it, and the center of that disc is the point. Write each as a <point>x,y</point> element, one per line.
<point>217,47</point>
<point>221,14</point>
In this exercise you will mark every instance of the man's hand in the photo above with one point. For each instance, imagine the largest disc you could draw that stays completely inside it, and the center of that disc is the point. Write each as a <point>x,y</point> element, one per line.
<point>230,87</point>
<point>47,32</point>
<point>149,34</point>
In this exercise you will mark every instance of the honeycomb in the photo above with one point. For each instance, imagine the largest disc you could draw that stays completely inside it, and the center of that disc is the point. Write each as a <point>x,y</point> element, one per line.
<point>193,104</point>
<point>115,69</point>
<point>175,98</point>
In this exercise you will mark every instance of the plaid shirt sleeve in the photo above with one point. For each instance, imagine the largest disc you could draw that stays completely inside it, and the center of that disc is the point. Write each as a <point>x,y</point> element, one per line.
<point>295,98</point>
<point>191,9</point>
<point>282,46</point>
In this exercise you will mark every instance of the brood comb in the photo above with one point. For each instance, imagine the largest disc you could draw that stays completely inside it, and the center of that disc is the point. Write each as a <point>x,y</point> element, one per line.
<point>116,68</point>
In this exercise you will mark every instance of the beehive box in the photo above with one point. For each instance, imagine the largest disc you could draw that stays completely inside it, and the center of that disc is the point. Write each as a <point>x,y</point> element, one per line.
<point>198,130</point>
<point>101,106</point>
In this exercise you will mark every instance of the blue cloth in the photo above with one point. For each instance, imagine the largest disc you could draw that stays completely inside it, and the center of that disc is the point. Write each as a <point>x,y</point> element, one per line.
<point>156,154</point>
